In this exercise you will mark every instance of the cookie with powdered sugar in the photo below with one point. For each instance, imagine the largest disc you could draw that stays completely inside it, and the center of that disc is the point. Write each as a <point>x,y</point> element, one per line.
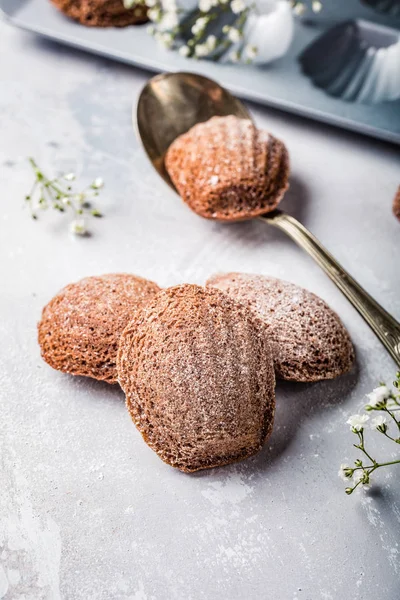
<point>198,375</point>
<point>80,327</point>
<point>309,341</point>
<point>228,170</point>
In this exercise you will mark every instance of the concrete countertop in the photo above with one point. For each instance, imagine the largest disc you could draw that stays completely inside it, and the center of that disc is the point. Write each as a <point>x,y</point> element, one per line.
<point>87,510</point>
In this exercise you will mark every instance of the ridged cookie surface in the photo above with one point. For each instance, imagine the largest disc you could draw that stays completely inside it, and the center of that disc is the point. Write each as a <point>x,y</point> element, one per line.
<point>226,169</point>
<point>309,341</point>
<point>198,375</point>
<point>102,13</point>
<point>81,326</point>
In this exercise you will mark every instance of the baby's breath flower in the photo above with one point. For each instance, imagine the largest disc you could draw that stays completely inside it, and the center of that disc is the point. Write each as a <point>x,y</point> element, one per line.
<point>211,42</point>
<point>169,5</point>
<point>299,8</point>
<point>358,477</point>
<point>234,35</point>
<point>166,39</point>
<point>251,51</point>
<point>199,25</point>
<point>357,422</point>
<point>316,6</point>
<point>98,183</point>
<point>169,21</point>
<point>80,198</point>
<point>56,194</point>
<point>78,227</point>
<point>238,6</point>
<point>184,51</point>
<point>378,396</point>
<point>345,472</point>
<point>384,400</point>
<point>201,50</point>
<point>166,15</point>
<point>206,5</point>
<point>379,422</point>
<point>154,14</point>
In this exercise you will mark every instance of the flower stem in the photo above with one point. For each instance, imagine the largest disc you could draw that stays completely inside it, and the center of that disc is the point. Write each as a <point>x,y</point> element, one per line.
<point>393,417</point>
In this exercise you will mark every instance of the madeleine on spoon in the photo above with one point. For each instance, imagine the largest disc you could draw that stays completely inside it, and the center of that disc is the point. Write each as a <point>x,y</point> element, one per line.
<point>228,170</point>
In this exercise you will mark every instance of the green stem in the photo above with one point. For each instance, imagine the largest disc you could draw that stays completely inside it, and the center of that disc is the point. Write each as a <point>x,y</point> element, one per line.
<point>389,436</point>
<point>34,166</point>
<point>361,436</point>
<point>377,465</point>
<point>393,417</point>
<point>367,455</point>
<point>371,468</point>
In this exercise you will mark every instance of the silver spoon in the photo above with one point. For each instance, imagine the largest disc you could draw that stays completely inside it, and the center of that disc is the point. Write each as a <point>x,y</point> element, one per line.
<point>169,105</point>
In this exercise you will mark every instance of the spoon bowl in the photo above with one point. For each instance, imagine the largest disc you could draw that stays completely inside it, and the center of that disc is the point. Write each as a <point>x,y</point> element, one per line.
<point>169,105</point>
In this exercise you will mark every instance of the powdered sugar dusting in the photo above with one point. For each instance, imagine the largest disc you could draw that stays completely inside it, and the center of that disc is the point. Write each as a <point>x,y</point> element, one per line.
<point>226,169</point>
<point>232,491</point>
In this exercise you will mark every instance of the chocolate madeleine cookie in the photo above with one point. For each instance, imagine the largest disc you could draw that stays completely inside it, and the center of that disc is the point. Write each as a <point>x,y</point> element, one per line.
<point>198,375</point>
<point>102,13</point>
<point>396,204</point>
<point>81,326</point>
<point>228,170</point>
<point>309,341</point>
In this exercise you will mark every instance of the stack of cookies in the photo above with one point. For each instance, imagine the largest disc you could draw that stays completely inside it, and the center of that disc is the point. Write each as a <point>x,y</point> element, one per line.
<point>197,364</point>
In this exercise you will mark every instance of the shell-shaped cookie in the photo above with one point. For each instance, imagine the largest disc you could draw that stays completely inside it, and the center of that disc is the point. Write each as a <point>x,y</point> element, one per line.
<point>102,13</point>
<point>396,204</point>
<point>198,375</point>
<point>80,327</point>
<point>228,170</point>
<point>309,341</point>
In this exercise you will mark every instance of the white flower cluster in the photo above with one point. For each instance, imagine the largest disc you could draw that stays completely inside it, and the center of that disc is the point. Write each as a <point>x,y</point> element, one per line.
<point>378,397</point>
<point>357,422</point>
<point>57,193</point>
<point>195,27</point>
<point>383,400</point>
<point>168,26</point>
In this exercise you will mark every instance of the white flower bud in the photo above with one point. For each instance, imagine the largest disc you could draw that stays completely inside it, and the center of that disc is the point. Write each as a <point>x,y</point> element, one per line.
<point>234,35</point>
<point>184,51</point>
<point>97,183</point>
<point>238,6</point>
<point>78,227</point>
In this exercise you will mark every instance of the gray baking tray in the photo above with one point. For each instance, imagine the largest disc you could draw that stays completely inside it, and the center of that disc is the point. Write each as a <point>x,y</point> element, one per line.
<point>281,84</point>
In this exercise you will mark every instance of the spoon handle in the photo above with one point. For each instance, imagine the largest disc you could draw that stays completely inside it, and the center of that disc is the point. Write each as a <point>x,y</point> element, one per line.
<point>381,322</point>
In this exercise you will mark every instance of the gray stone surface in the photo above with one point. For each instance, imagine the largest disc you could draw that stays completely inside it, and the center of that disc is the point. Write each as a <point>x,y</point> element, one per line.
<point>88,511</point>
